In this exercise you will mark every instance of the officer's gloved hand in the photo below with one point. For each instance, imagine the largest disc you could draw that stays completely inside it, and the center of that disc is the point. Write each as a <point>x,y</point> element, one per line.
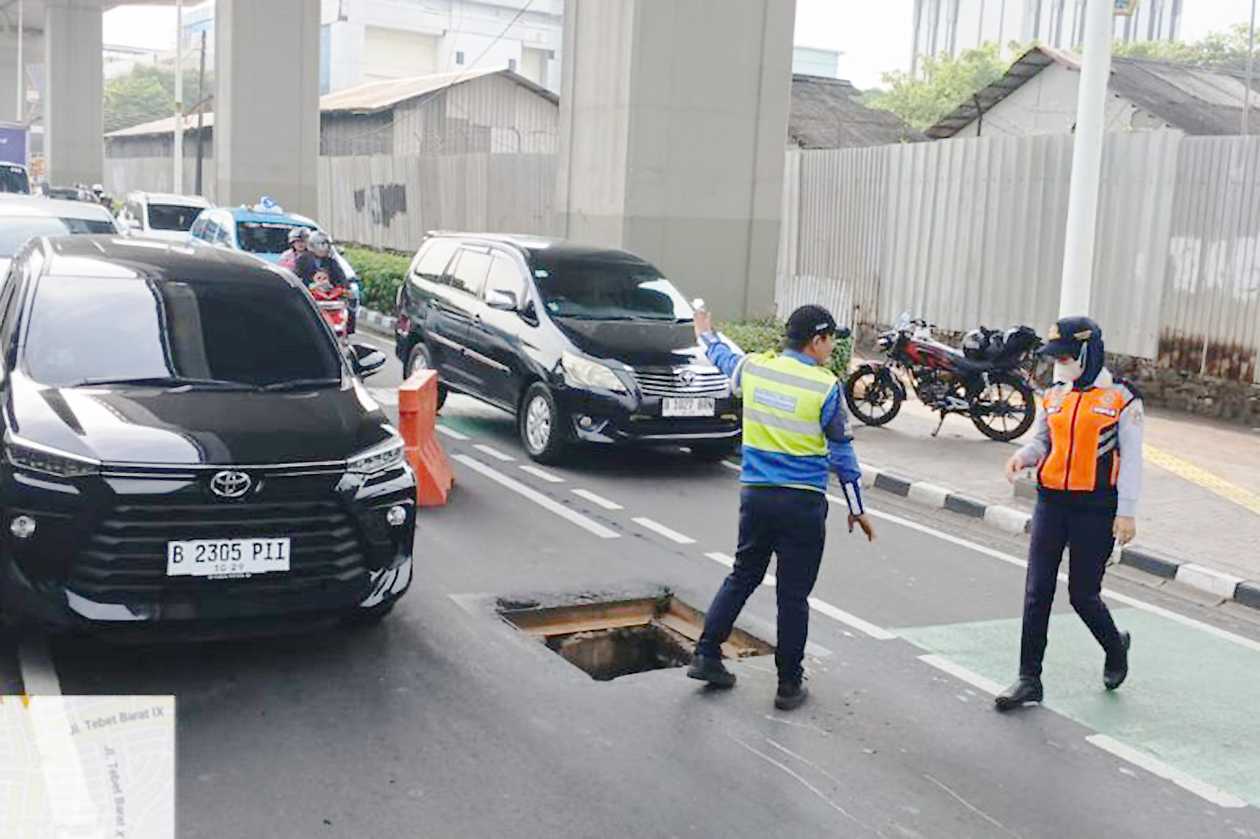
<point>863,521</point>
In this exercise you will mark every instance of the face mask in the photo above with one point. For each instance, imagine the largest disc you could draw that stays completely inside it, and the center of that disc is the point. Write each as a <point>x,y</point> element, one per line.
<point>1068,372</point>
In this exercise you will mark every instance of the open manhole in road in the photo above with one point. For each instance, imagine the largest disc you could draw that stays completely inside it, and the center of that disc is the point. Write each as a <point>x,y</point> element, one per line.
<point>613,638</point>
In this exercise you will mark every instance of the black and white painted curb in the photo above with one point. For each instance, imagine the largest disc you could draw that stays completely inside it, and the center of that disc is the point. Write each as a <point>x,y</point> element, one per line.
<point>1004,518</point>
<point>376,322</point>
<point>1010,520</point>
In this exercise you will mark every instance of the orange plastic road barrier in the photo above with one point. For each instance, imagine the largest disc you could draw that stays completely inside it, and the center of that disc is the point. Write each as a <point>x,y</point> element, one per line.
<point>417,420</point>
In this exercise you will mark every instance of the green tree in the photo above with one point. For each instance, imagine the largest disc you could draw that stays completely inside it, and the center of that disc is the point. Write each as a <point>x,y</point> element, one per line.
<point>147,93</point>
<point>1226,50</point>
<point>942,84</point>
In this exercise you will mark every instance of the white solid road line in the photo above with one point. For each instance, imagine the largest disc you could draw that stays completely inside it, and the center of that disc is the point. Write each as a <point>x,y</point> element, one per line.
<point>734,467</point>
<point>39,676</point>
<point>452,433</point>
<point>597,500</point>
<point>588,524</point>
<point>1128,600</point>
<point>657,527</point>
<point>495,453</point>
<point>542,474</point>
<point>822,606</point>
<point>959,672</point>
<point>1206,791</point>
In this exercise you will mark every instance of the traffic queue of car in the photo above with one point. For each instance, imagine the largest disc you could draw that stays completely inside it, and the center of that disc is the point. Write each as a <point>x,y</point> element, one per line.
<point>189,449</point>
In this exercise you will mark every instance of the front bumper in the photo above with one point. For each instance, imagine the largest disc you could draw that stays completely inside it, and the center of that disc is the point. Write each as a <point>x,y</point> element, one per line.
<point>630,419</point>
<point>97,561</point>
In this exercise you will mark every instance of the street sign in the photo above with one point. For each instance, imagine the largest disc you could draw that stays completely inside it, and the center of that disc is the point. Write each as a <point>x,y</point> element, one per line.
<point>1126,8</point>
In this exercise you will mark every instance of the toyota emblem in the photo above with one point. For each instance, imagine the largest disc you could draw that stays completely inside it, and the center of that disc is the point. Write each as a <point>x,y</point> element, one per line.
<point>688,376</point>
<point>230,484</point>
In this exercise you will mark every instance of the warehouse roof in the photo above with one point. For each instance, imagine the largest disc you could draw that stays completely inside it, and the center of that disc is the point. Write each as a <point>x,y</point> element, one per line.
<point>829,114</point>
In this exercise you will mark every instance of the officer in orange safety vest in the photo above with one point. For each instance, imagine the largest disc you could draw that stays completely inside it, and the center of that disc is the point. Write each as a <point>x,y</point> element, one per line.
<point>1087,447</point>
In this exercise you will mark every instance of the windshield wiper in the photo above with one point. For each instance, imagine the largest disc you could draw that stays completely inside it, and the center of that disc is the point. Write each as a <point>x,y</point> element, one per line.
<point>297,384</point>
<point>167,381</point>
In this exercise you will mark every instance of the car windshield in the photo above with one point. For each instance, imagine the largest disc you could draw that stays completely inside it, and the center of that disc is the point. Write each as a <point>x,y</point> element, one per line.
<point>254,334</point>
<point>610,290</point>
<point>16,230</point>
<point>263,237</point>
<point>13,179</point>
<point>172,216</point>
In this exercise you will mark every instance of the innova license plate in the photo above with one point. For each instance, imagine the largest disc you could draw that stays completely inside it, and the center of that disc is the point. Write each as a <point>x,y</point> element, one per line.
<point>687,407</point>
<point>226,557</point>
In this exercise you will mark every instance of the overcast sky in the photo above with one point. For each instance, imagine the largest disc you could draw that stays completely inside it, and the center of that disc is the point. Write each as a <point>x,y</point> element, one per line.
<point>874,36</point>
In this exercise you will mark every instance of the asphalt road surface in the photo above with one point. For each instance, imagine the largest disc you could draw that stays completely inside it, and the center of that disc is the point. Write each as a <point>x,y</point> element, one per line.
<point>446,721</point>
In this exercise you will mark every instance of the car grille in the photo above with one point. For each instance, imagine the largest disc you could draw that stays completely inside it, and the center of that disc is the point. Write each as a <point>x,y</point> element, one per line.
<point>125,555</point>
<point>682,381</point>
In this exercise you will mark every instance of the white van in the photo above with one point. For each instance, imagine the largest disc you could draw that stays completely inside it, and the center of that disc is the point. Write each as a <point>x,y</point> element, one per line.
<point>157,215</point>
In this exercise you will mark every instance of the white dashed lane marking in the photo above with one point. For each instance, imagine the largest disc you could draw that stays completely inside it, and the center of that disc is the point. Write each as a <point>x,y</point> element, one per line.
<point>530,494</point>
<point>495,453</point>
<point>597,500</point>
<point>662,530</point>
<point>542,474</point>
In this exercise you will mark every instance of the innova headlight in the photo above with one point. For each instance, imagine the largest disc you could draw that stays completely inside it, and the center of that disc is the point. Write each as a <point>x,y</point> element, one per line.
<point>378,458</point>
<point>47,460</point>
<point>588,373</point>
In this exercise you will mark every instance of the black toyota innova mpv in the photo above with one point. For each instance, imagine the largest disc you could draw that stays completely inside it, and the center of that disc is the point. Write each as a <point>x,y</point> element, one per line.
<point>188,449</point>
<point>581,344</point>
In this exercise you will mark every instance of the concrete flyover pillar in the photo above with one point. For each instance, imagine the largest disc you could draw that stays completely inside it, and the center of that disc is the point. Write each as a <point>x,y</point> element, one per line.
<point>74,142</point>
<point>673,119</point>
<point>266,122</point>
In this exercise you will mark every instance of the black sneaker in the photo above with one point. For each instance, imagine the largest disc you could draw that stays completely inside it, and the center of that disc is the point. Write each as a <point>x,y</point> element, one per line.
<point>1117,667</point>
<point>791,696</point>
<point>711,670</point>
<point>1027,689</point>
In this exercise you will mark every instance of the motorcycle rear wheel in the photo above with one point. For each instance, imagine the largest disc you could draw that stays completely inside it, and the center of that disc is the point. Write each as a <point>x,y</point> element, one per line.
<point>873,402</point>
<point>1007,408</point>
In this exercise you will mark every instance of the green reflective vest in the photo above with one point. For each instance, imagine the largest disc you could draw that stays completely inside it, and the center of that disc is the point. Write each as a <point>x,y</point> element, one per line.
<point>783,402</point>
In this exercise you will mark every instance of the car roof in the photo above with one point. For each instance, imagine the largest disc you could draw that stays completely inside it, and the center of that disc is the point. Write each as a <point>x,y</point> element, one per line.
<point>170,198</point>
<point>36,205</point>
<point>543,248</point>
<point>151,259</point>
<point>248,214</point>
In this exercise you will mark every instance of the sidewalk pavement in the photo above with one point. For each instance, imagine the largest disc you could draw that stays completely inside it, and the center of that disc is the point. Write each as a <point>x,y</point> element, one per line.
<point>1201,497</point>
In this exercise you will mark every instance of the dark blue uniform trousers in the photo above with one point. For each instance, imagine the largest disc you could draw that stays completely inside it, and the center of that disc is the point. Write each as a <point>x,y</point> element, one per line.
<point>792,525</point>
<point>1086,534</point>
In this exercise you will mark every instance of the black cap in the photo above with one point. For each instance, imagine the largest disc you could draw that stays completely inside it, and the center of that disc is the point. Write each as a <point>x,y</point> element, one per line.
<point>807,322</point>
<point>1068,334</point>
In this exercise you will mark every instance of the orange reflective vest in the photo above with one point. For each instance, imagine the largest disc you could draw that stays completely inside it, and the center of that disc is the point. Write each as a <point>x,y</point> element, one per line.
<point>1084,435</point>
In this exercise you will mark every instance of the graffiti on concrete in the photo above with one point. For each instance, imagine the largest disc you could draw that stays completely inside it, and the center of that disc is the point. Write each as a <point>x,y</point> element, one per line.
<point>382,202</point>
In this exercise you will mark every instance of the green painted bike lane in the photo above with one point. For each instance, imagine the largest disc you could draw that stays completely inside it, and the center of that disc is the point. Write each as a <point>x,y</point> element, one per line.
<point>1192,699</point>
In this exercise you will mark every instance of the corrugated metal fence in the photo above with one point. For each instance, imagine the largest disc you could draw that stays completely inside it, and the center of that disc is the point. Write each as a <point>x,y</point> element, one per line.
<point>971,232</point>
<point>391,201</point>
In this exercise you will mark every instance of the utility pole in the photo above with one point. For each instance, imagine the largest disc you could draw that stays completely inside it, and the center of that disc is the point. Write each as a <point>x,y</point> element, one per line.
<point>980,26</point>
<point>914,50</point>
<point>201,110</point>
<point>1087,149</point>
<point>21,70</point>
<point>178,180</point>
<point>1251,60</point>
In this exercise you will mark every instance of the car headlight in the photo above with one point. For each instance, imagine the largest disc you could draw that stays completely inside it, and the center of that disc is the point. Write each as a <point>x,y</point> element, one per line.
<point>378,458</point>
<point>48,461</point>
<point>585,372</point>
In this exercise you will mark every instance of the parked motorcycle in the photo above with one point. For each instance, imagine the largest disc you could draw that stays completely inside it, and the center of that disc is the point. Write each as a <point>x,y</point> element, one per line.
<point>987,380</point>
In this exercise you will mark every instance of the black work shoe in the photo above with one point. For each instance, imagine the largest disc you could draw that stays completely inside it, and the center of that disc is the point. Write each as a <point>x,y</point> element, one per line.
<point>1117,666</point>
<point>791,696</point>
<point>711,670</point>
<point>1027,689</point>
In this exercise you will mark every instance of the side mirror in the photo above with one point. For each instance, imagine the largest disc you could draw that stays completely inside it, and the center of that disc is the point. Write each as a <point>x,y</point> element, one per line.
<point>366,360</point>
<point>504,301</point>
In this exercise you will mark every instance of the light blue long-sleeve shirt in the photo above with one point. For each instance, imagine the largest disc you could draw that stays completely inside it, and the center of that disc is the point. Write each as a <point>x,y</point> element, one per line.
<point>763,468</point>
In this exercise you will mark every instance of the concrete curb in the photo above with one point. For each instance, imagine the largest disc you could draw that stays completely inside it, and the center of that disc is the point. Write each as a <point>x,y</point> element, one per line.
<point>1017,522</point>
<point>376,322</point>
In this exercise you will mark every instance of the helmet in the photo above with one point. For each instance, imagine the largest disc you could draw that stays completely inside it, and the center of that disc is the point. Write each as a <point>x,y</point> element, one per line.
<point>974,344</point>
<point>319,243</point>
<point>98,188</point>
<point>297,233</point>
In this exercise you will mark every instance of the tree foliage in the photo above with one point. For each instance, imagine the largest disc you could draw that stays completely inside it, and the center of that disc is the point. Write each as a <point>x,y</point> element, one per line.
<point>1226,50</point>
<point>944,81</point>
<point>147,93</point>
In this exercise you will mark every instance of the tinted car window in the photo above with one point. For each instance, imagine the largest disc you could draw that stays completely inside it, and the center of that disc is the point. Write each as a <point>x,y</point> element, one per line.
<point>15,230</point>
<point>13,179</point>
<point>610,290</point>
<point>506,276</point>
<point>260,237</point>
<point>469,273</point>
<point>434,259</point>
<point>172,216</point>
<point>255,333</point>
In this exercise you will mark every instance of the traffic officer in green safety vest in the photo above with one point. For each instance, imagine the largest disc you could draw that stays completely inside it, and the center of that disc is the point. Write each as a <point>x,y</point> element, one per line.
<point>794,434</point>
